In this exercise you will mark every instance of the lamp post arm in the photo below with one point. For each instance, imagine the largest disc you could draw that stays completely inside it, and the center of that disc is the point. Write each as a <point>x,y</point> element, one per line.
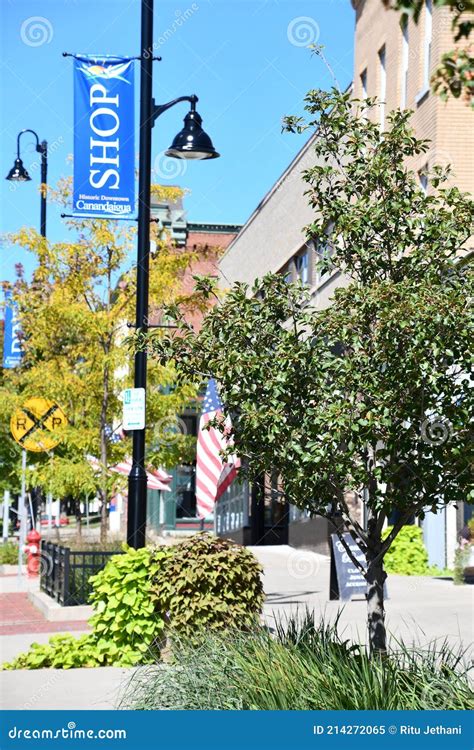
<point>41,148</point>
<point>27,130</point>
<point>158,109</point>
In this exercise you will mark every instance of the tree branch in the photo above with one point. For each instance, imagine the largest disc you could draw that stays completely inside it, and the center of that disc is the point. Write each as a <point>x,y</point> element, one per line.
<point>358,528</point>
<point>344,544</point>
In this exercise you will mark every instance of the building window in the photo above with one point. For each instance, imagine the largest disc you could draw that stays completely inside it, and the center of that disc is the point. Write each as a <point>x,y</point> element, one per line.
<point>363,84</point>
<point>324,250</point>
<point>287,273</point>
<point>423,178</point>
<point>363,92</point>
<point>404,71</point>
<point>382,85</point>
<point>302,266</point>
<point>427,44</point>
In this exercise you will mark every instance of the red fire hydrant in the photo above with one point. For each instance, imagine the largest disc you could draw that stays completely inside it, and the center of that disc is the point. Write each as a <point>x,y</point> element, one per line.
<point>33,553</point>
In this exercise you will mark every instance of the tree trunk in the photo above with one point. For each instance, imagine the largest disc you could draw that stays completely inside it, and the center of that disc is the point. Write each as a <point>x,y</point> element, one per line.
<point>103,453</point>
<point>77,509</point>
<point>376,577</point>
<point>103,488</point>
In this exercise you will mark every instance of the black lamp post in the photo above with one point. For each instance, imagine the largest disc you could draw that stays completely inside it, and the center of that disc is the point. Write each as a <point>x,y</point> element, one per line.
<point>18,173</point>
<point>190,143</point>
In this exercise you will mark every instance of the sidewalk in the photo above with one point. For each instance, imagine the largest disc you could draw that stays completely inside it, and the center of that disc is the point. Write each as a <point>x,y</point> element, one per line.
<point>418,610</point>
<point>18,615</point>
<point>21,623</point>
<point>63,689</point>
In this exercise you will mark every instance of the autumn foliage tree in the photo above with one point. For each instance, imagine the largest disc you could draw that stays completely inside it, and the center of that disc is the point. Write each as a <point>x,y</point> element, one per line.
<point>74,315</point>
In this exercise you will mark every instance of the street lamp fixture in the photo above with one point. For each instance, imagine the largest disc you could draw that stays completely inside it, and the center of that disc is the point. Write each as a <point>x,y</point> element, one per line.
<point>18,172</point>
<point>192,142</point>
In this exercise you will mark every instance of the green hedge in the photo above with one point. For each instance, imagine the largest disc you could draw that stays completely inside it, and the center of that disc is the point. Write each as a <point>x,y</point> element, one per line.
<point>9,553</point>
<point>407,555</point>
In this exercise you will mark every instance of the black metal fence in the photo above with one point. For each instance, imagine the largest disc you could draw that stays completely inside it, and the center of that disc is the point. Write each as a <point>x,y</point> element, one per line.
<point>65,572</point>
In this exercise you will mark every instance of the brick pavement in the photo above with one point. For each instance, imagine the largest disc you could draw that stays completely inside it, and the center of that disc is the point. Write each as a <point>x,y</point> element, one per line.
<point>18,615</point>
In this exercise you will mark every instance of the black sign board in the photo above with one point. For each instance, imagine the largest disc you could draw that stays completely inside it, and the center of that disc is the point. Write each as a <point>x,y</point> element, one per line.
<point>346,580</point>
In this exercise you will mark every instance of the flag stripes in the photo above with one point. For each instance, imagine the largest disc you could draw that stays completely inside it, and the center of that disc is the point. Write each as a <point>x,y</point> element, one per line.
<point>213,473</point>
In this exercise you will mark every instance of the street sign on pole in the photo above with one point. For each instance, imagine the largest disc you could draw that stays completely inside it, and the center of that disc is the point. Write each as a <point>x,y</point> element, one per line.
<point>6,514</point>
<point>22,516</point>
<point>35,425</point>
<point>133,400</point>
<point>49,505</point>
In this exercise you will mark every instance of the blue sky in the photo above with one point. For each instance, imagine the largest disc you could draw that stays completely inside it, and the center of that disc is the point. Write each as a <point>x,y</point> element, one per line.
<point>245,59</point>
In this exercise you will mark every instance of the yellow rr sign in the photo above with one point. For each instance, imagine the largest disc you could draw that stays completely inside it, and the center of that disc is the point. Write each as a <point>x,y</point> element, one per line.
<point>35,425</point>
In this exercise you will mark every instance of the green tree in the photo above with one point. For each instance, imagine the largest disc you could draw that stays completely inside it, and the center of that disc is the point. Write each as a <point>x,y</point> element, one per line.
<point>454,76</point>
<point>371,394</point>
<point>10,452</point>
<point>74,315</point>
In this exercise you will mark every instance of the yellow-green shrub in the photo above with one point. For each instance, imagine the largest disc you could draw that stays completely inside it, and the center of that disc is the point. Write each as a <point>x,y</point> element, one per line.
<point>407,556</point>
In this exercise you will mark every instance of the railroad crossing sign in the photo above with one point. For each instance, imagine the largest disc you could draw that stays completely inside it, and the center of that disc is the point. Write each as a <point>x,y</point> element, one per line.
<point>34,425</point>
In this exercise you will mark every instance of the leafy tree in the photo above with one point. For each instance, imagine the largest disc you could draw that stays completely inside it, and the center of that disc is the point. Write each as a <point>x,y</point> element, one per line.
<point>371,394</point>
<point>10,452</point>
<point>73,316</point>
<point>454,76</point>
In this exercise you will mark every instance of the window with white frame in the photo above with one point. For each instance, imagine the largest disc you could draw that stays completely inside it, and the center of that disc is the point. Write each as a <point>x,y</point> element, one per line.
<point>427,44</point>
<point>287,273</point>
<point>324,249</point>
<point>363,84</point>
<point>404,70</point>
<point>382,85</point>
<point>302,266</point>
<point>423,178</point>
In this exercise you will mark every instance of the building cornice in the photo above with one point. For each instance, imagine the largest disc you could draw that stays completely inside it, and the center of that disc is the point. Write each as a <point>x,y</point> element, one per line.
<point>196,226</point>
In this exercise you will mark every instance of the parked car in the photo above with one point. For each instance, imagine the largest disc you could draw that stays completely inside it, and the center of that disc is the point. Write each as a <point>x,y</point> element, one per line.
<point>63,520</point>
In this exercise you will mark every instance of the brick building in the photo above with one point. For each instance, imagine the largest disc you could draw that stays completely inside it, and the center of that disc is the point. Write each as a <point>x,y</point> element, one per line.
<point>207,240</point>
<point>176,509</point>
<point>395,64</point>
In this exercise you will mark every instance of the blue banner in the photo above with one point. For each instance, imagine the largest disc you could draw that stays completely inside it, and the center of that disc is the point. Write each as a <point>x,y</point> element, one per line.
<point>104,151</point>
<point>235,730</point>
<point>12,353</point>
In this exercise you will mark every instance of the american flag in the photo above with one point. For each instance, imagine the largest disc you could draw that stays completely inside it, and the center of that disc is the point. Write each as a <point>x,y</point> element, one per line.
<point>213,476</point>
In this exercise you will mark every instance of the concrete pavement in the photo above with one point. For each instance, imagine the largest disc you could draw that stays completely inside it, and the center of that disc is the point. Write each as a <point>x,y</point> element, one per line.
<point>49,689</point>
<point>45,689</point>
<point>419,610</point>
